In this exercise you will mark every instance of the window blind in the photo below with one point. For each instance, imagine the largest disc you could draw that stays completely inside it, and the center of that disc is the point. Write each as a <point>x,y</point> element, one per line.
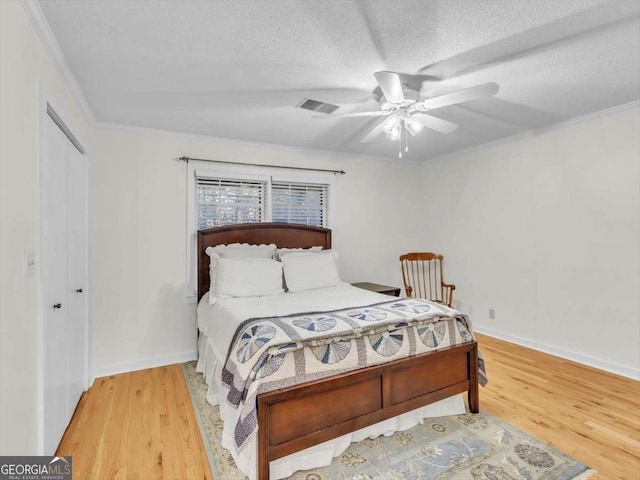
<point>224,202</point>
<point>299,203</point>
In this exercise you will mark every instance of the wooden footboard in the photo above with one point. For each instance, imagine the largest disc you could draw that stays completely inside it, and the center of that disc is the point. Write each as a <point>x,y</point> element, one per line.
<point>298,417</point>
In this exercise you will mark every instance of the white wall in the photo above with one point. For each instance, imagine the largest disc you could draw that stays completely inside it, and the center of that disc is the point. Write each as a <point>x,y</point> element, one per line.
<point>545,230</point>
<point>25,66</point>
<point>138,234</point>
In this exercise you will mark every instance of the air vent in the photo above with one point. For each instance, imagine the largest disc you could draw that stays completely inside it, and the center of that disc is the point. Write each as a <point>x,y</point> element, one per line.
<point>316,106</point>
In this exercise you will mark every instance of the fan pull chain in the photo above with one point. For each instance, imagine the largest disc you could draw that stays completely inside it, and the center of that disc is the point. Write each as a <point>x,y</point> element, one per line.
<point>400,140</point>
<point>406,141</point>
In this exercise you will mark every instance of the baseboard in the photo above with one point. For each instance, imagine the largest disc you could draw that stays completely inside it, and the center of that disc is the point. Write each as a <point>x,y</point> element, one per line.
<point>562,353</point>
<point>143,364</point>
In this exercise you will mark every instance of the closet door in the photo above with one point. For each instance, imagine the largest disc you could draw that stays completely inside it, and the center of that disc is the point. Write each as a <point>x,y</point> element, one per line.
<point>54,284</point>
<point>76,268</point>
<point>63,221</point>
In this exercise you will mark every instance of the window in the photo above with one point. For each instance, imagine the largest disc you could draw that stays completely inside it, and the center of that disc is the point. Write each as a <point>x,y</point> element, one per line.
<point>229,195</point>
<point>299,203</point>
<point>223,202</point>
<point>220,201</point>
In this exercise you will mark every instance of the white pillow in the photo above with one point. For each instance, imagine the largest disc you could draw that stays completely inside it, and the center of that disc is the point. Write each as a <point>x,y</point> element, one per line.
<point>286,251</point>
<point>243,250</point>
<point>245,277</point>
<point>308,271</point>
<point>235,250</point>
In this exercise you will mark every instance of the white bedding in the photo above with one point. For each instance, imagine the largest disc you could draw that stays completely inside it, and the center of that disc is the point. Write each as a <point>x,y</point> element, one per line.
<point>218,323</point>
<point>220,320</point>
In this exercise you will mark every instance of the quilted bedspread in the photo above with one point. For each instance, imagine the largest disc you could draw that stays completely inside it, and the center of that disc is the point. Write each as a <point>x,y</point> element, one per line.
<point>276,352</point>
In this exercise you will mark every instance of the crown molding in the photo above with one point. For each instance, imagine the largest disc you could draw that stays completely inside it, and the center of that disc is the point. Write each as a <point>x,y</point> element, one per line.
<point>407,160</point>
<point>39,21</point>
<point>290,148</point>
<point>539,131</point>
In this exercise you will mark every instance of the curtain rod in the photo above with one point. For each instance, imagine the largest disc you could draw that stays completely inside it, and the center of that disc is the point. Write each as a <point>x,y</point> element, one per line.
<point>335,172</point>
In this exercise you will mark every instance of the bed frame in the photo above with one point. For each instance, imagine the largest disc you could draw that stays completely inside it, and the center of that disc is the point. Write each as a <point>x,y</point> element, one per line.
<point>297,417</point>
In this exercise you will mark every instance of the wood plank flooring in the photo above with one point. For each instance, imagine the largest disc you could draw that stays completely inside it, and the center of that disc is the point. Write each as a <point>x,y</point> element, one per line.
<point>138,425</point>
<point>141,425</point>
<point>592,415</point>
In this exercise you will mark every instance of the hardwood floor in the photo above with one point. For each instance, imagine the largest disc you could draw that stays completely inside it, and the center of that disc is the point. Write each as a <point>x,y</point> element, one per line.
<point>138,425</point>
<point>592,415</point>
<point>141,425</point>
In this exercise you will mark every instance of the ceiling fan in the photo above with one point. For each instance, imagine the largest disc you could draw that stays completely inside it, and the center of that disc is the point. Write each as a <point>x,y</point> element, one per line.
<point>407,113</point>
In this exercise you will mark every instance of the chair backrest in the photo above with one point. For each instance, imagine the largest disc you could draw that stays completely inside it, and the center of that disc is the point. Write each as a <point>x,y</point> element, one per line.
<point>422,275</point>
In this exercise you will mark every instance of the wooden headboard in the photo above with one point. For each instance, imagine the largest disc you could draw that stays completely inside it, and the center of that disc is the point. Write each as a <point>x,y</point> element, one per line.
<point>284,235</point>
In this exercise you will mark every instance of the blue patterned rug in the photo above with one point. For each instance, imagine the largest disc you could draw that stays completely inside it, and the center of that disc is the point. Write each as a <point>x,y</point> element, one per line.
<point>462,447</point>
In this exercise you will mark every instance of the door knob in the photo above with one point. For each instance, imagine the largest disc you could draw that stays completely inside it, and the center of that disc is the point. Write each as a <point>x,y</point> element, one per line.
<point>79,290</point>
<point>57,305</point>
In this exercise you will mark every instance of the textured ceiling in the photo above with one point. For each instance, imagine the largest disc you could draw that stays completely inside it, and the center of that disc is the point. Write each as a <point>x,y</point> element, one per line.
<point>236,69</point>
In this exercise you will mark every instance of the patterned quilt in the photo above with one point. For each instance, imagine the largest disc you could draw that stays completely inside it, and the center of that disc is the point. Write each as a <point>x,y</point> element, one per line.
<point>276,352</point>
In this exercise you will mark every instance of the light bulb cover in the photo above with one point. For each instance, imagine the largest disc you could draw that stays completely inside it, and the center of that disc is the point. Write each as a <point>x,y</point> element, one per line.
<point>390,123</point>
<point>394,133</point>
<point>414,127</point>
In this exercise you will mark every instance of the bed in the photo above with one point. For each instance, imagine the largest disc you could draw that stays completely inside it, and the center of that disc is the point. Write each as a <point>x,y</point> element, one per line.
<point>295,418</point>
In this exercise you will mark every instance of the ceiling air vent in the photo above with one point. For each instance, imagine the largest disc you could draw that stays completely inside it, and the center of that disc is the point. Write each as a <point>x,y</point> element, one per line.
<point>316,106</point>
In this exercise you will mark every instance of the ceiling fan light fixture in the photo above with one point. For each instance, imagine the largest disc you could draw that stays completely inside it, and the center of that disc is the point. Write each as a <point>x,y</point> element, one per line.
<point>394,133</point>
<point>406,112</point>
<point>390,124</point>
<point>413,126</point>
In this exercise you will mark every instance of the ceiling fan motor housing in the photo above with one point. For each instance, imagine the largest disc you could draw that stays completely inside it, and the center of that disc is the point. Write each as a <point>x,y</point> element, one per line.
<point>410,97</point>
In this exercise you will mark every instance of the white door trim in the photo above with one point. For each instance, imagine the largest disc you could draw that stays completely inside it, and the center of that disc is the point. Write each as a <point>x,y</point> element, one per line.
<point>44,105</point>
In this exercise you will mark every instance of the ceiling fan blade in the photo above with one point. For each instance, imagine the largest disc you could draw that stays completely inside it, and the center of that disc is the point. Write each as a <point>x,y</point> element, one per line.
<point>373,134</point>
<point>391,86</point>
<point>352,114</point>
<point>464,95</point>
<point>435,123</point>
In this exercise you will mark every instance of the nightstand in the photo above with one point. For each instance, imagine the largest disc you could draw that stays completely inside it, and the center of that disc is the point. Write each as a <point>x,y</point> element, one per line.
<point>374,287</point>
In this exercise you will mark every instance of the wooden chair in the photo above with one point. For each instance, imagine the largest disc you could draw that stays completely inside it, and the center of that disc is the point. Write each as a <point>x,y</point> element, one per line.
<point>422,276</point>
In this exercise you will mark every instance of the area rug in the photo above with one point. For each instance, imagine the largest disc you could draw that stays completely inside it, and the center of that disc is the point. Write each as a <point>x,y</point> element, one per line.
<point>461,447</point>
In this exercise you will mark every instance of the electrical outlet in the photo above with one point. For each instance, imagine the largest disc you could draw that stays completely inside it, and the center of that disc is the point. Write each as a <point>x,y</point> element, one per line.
<point>492,313</point>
